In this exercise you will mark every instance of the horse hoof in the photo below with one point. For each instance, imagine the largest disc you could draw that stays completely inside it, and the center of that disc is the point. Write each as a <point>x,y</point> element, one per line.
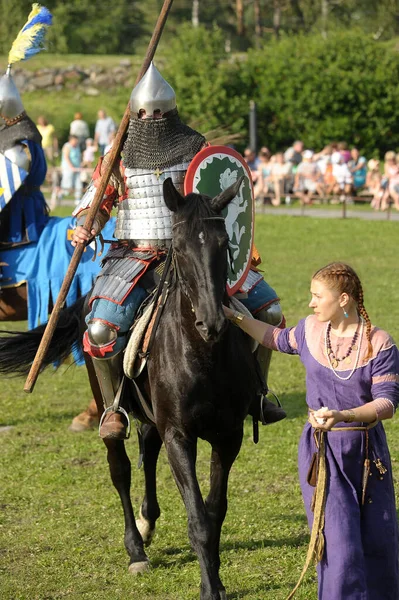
<point>145,530</point>
<point>83,422</point>
<point>137,568</point>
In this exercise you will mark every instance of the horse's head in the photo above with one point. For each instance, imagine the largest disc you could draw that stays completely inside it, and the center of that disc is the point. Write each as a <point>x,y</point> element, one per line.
<point>200,244</point>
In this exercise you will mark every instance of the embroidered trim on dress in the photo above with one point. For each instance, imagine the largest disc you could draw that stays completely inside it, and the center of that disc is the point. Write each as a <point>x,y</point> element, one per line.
<point>292,339</point>
<point>270,338</point>
<point>384,407</point>
<point>385,378</point>
<point>314,339</point>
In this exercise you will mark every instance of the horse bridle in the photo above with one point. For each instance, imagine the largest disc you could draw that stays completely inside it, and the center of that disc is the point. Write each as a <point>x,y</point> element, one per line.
<point>162,291</point>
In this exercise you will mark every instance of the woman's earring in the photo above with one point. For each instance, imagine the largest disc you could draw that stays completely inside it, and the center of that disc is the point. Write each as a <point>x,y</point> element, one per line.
<point>345,313</point>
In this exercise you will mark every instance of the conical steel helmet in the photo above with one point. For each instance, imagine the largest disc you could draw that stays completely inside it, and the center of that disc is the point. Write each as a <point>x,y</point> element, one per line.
<point>151,94</point>
<point>10,101</point>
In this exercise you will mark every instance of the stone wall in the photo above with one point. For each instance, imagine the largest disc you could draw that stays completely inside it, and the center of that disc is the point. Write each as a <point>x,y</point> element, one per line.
<point>89,81</point>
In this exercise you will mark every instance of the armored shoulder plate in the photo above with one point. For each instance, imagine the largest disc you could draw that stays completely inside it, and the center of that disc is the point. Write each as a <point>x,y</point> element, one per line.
<point>19,155</point>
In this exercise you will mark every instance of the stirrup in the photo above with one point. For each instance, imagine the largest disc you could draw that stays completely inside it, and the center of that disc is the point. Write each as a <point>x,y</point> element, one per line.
<point>277,399</point>
<point>277,409</point>
<point>117,409</point>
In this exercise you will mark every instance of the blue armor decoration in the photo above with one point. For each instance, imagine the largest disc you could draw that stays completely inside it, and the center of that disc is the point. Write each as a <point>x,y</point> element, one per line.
<point>28,209</point>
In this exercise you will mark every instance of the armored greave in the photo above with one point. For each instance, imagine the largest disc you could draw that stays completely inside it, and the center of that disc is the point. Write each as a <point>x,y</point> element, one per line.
<point>107,358</point>
<point>273,316</point>
<point>109,372</point>
<point>105,348</point>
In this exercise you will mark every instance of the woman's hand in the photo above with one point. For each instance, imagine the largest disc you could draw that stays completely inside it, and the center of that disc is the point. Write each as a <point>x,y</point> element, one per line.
<point>82,235</point>
<point>331,418</point>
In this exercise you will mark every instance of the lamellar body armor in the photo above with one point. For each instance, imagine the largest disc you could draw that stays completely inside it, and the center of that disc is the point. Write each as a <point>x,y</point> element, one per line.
<point>143,218</point>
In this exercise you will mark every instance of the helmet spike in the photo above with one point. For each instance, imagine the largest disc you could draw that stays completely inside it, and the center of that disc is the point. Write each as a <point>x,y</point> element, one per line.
<point>151,95</point>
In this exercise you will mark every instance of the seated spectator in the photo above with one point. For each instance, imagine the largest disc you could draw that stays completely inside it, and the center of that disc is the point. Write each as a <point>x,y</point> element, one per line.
<point>358,167</point>
<point>294,154</point>
<point>389,179</point>
<point>342,176</point>
<point>373,183</point>
<point>71,167</point>
<point>308,179</point>
<point>393,186</point>
<point>323,158</point>
<point>253,163</point>
<point>263,185</point>
<point>80,128</point>
<point>345,152</point>
<point>324,163</point>
<point>280,174</point>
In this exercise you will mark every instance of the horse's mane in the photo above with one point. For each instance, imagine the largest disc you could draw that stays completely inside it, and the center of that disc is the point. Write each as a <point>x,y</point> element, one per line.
<point>195,208</point>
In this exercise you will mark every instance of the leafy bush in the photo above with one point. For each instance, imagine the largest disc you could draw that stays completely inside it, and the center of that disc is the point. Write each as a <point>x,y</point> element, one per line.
<point>342,88</point>
<point>319,90</point>
<point>205,81</point>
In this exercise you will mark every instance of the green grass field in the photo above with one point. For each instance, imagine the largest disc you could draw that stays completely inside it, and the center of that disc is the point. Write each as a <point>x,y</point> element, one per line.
<point>61,527</point>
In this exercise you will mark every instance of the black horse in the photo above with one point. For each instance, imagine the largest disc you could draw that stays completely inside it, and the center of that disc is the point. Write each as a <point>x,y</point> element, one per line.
<point>201,378</point>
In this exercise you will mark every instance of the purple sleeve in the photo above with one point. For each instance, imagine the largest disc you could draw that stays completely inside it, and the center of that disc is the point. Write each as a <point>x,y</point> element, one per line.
<point>290,340</point>
<point>385,375</point>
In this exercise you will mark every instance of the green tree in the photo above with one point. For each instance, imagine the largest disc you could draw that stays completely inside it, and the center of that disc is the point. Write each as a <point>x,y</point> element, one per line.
<point>13,16</point>
<point>344,87</point>
<point>205,79</point>
<point>87,27</point>
<point>79,26</point>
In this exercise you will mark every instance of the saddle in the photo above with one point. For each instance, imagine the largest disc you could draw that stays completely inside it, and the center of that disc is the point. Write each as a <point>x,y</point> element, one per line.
<point>142,334</point>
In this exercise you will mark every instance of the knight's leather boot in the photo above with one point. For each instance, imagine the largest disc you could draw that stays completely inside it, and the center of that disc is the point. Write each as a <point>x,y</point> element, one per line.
<point>267,411</point>
<point>270,412</point>
<point>113,426</point>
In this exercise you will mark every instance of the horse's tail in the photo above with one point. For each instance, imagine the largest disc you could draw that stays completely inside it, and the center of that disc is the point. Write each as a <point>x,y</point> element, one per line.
<point>18,350</point>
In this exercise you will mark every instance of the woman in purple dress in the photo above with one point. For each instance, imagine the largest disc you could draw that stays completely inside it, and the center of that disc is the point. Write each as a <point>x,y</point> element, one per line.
<point>352,384</point>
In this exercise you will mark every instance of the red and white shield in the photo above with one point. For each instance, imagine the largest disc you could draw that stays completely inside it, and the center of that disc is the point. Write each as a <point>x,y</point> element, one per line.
<point>212,171</point>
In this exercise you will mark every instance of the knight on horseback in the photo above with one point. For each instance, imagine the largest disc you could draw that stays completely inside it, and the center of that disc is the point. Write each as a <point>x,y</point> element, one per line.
<point>23,209</point>
<point>158,146</point>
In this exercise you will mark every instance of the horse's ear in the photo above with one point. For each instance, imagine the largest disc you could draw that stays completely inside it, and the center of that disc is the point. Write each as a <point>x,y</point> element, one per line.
<point>222,200</point>
<point>173,199</point>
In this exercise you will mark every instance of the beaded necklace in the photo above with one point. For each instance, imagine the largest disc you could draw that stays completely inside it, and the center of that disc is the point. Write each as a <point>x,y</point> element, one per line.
<point>335,361</point>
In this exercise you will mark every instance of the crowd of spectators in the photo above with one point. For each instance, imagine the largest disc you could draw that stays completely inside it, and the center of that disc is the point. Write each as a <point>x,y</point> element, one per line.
<point>334,174</point>
<point>70,170</point>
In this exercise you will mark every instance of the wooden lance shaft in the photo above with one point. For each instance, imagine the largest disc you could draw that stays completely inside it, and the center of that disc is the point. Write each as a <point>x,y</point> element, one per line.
<point>114,156</point>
